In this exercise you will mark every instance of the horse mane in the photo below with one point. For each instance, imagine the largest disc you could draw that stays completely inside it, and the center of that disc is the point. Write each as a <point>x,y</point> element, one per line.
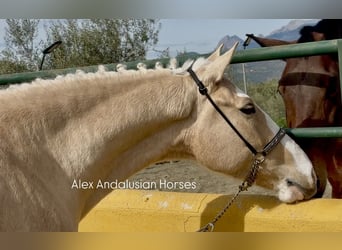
<point>102,76</point>
<point>331,28</point>
<point>306,34</point>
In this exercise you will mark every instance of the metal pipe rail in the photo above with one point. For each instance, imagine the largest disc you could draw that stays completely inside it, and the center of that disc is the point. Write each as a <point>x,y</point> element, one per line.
<point>288,51</point>
<point>243,56</point>
<point>324,132</point>
<point>251,55</point>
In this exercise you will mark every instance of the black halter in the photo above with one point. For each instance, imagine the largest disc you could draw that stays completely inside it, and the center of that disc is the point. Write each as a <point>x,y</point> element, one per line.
<point>269,146</point>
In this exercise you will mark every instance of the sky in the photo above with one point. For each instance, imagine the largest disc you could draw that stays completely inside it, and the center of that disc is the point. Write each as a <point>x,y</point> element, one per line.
<point>201,35</point>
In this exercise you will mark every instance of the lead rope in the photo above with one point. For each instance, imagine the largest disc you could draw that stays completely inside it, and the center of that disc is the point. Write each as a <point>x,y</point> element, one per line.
<point>248,182</point>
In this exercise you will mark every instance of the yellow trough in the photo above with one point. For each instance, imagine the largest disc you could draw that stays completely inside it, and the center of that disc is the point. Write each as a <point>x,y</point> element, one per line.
<point>154,211</point>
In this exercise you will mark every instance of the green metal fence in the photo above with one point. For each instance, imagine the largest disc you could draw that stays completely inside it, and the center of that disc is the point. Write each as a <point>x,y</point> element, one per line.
<point>250,55</point>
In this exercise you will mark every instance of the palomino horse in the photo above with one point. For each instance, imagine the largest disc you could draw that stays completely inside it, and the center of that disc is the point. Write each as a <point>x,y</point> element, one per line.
<point>60,137</point>
<point>312,96</point>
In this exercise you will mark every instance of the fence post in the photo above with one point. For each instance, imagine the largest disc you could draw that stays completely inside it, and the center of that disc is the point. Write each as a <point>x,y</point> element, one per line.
<point>339,51</point>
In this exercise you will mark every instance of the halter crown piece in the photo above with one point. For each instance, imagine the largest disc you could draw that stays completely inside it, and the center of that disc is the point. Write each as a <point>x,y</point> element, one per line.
<point>259,156</point>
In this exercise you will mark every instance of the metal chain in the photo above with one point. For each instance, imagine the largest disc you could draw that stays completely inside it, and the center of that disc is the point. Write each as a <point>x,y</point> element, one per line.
<point>248,182</point>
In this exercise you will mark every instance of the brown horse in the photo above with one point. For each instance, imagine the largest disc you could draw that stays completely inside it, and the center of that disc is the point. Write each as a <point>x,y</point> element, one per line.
<point>312,96</point>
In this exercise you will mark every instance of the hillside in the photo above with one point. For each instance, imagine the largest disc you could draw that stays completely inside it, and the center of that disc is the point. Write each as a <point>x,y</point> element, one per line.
<point>257,72</point>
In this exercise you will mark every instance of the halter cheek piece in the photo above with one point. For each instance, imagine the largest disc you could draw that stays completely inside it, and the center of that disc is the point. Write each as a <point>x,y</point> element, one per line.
<point>259,156</point>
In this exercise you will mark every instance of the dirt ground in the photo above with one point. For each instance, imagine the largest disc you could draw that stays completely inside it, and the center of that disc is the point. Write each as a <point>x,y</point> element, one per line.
<point>185,176</point>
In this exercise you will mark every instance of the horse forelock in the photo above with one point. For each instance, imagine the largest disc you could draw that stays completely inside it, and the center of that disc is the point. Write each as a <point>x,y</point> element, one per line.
<point>306,34</point>
<point>329,28</point>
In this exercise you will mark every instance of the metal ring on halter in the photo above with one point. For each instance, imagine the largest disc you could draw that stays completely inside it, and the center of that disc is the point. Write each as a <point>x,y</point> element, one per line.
<point>259,157</point>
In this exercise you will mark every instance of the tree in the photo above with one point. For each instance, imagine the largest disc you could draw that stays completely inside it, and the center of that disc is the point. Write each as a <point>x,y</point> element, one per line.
<point>9,67</point>
<point>21,47</point>
<point>84,42</point>
<point>101,41</point>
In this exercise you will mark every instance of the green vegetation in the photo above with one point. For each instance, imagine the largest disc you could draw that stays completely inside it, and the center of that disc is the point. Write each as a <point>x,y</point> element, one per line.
<point>262,86</point>
<point>20,53</point>
<point>84,42</point>
<point>267,97</point>
<point>101,41</point>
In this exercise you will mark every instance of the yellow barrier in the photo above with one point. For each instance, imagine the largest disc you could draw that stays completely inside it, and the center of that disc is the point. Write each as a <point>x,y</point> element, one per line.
<point>152,211</point>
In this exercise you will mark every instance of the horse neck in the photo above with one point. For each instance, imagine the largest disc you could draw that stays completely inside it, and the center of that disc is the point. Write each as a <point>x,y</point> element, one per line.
<point>139,125</point>
<point>109,131</point>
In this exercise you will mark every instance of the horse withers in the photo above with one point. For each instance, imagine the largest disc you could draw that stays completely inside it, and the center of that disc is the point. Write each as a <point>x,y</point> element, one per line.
<point>60,137</point>
<point>310,87</point>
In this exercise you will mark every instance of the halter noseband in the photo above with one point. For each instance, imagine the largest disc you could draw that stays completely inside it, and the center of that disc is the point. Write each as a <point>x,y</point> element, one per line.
<point>268,147</point>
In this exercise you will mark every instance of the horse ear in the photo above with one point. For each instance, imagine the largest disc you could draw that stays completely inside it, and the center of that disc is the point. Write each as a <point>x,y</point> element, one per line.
<point>267,42</point>
<point>215,69</point>
<point>216,53</point>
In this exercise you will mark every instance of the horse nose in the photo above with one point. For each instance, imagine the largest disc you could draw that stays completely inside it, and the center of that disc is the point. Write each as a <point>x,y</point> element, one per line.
<point>308,186</point>
<point>308,190</point>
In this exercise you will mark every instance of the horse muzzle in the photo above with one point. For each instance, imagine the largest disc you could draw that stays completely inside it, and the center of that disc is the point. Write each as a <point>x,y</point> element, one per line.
<point>291,191</point>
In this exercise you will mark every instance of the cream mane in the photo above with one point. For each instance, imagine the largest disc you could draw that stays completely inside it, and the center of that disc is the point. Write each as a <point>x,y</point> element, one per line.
<point>122,75</point>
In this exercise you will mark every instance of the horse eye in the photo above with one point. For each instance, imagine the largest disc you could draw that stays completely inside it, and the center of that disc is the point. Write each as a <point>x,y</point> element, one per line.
<point>248,109</point>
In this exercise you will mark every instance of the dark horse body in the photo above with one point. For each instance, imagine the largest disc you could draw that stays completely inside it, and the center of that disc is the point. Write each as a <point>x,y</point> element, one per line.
<point>310,87</point>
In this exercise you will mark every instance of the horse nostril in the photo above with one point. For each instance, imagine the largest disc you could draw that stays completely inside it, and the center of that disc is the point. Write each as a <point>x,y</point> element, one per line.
<point>308,192</point>
<point>290,183</point>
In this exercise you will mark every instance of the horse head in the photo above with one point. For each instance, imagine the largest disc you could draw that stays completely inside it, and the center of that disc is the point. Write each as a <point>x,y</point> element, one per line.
<point>216,145</point>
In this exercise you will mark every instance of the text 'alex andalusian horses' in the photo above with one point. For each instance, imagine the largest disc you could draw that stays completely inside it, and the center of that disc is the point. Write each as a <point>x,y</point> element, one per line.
<point>310,87</point>
<point>109,125</point>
